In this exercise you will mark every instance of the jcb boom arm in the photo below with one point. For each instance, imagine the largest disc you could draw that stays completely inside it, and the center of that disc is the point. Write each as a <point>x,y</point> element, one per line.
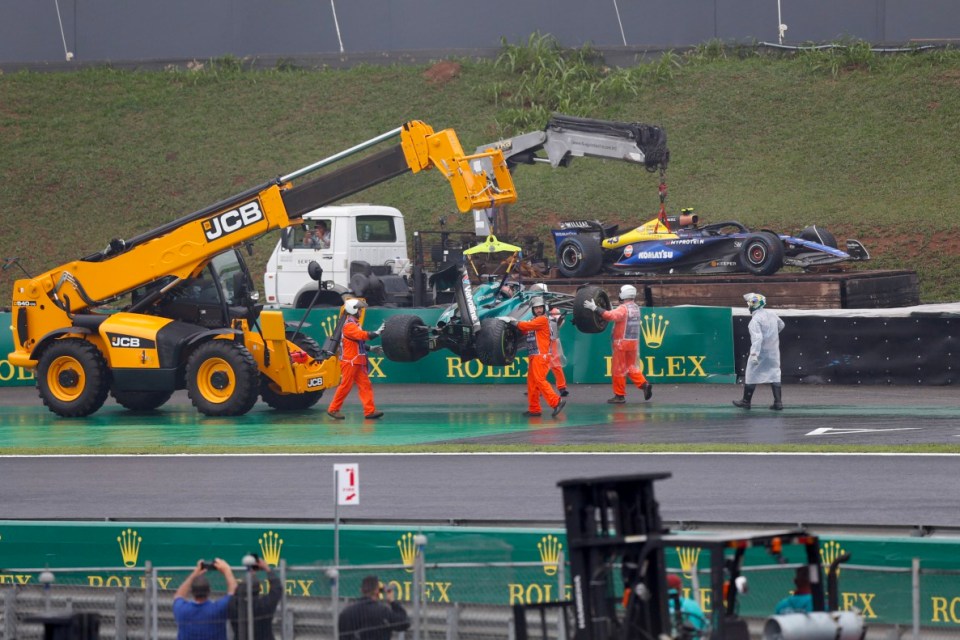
<point>182,247</point>
<point>567,137</point>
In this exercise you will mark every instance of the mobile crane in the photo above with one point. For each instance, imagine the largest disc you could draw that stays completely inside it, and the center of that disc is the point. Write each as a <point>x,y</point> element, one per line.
<point>190,316</point>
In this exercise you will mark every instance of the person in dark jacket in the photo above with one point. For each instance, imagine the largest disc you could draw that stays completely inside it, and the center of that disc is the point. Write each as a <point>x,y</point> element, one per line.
<point>370,619</point>
<point>264,605</point>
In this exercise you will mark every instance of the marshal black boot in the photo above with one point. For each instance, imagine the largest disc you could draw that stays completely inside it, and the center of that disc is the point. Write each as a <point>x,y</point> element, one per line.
<point>747,396</point>
<point>777,401</point>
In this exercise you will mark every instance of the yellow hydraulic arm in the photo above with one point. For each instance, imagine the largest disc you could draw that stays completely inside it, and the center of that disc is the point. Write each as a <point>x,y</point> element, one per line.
<point>184,246</point>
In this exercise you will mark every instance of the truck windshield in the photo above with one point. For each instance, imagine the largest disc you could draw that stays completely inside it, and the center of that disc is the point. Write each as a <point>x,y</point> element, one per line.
<point>376,229</point>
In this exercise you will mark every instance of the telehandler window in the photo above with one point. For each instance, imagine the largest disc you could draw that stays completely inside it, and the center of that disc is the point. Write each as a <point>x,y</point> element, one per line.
<point>376,229</point>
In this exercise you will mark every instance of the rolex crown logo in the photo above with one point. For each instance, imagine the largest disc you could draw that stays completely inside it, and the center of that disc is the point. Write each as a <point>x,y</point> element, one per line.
<point>550,549</point>
<point>829,552</point>
<point>129,547</point>
<point>408,551</point>
<point>689,557</point>
<point>270,545</point>
<point>329,325</point>
<point>654,327</point>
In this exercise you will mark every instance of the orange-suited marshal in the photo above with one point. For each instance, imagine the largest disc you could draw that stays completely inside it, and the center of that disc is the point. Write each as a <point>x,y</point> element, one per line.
<point>353,363</point>
<point>540,359</point>
<point>626,344</point>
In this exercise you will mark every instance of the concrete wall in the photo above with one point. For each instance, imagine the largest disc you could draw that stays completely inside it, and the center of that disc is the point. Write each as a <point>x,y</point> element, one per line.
<point>151,30</point>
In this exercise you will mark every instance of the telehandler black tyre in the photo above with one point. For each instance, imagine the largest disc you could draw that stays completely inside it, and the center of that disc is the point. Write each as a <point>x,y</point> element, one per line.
<point>579,256</point>
<point>222,378</point>
<point>73,378</point>
<point>404,338</point>
<point>585,320</point>
<point>292,401</point>
<point>140,400</point>
<point>497,342</point>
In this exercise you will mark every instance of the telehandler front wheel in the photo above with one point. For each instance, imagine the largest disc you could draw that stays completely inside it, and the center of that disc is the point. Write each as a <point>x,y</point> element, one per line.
<point>272,395</point>
<point>73,378</point>
<point>222,378</point>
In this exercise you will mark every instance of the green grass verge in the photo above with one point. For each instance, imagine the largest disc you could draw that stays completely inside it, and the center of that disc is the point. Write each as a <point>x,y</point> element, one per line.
<point>862,144</point>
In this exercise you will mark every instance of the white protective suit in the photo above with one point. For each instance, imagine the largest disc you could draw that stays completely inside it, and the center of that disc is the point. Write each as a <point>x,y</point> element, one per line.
<point>765,328</point>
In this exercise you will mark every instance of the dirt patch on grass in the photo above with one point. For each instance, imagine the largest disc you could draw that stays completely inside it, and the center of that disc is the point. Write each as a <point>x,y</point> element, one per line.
<point>442,72</point>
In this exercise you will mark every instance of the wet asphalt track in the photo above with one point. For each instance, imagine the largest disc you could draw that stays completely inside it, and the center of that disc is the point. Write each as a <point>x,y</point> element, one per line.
<point>867,490</point>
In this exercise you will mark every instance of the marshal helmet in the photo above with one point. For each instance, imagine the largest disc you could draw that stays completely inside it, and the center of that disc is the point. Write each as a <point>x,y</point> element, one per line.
<point>353,306</point>
<point>754,301</point>
<point>628,292</point>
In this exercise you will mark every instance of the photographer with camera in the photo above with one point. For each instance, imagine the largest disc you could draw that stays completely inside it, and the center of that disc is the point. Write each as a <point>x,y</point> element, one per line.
<point>370,619</point>
<point>201,618</point>
<point>263,607</point>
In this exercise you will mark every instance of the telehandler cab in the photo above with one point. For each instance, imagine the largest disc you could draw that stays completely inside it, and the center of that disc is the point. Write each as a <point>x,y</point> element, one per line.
<point>189,316</point>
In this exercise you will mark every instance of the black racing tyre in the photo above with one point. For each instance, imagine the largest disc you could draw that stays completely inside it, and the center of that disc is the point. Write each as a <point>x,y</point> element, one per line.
<point>496,343</point>
<point>404,338</point>
<point>587,321</point>
<point>813,233</point>
<point>73,378</point>
<point>579,256</point>
<point>280,401</point>
<point>761,253</point>
<point>140,400</point>
<point>222,378</point>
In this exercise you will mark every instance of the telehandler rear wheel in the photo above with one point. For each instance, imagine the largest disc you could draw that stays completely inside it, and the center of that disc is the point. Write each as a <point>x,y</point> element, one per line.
<point>73,378</point>
<point>272,395</point>
<point>140,400</point>
<point>222,378</point>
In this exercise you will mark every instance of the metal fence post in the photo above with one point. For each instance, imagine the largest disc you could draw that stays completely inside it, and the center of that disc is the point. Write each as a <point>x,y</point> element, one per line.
<point>9,613</point>
<point>285,632</point>
<point>154,604</point>
<point>915,572</point>
<point>120,615</point>
<point>148,566</point>
<point>420,543</point>
<point>561,594</point>
<point>453,622</point>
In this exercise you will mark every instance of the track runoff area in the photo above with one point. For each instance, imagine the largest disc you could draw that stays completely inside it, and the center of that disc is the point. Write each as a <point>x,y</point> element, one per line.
<point>492,415</point>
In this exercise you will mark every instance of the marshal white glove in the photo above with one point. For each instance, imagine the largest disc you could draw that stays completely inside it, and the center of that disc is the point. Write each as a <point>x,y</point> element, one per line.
<point>506,319</point>
<point>590,304</point>
<point>754,360</point>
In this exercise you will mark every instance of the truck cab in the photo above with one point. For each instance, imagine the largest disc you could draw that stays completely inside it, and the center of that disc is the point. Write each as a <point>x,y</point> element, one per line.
<point>362,240</point>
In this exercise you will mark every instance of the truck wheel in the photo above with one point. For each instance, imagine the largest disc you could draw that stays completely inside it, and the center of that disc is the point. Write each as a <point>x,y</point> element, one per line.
<point>579,256</point>
<point>587,321</point>
<point>272,395</point>
<point>761,253</point>
<point>140,400</point>
<point>222,378</point>
<point>404,338</point>
<point>813,233</point>
<point>73,378</point>
<point>496,342</point>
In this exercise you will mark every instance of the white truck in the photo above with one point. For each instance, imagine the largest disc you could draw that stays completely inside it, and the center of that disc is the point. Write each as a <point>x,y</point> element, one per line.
<point>366,247</point>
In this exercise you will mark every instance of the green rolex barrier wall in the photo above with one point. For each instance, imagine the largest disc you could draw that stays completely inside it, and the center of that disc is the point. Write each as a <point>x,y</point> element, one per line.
<point>115,553</point>
<point>681,344</point>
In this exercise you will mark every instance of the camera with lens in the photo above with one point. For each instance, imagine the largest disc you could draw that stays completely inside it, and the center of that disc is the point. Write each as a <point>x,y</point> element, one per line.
<point>207,565</point>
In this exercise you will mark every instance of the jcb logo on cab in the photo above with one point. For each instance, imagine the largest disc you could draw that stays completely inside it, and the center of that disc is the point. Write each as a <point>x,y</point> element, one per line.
<point>229,221</point>
<point>314,382</point>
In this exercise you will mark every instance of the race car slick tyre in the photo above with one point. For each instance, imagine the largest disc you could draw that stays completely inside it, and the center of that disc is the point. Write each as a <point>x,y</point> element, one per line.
<point>496,342</point>
<point>140,400</point>
<point>403,338</point>
<point>579,256</point>
<point>280,401</point>
<point>585,320</point>
<point>222,378</point>
<point>761,253</point>
<point>813,233</point>
<point>73,378</point>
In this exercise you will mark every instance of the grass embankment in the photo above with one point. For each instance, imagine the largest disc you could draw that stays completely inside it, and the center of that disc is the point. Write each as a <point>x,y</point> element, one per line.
<point>863,145</point>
